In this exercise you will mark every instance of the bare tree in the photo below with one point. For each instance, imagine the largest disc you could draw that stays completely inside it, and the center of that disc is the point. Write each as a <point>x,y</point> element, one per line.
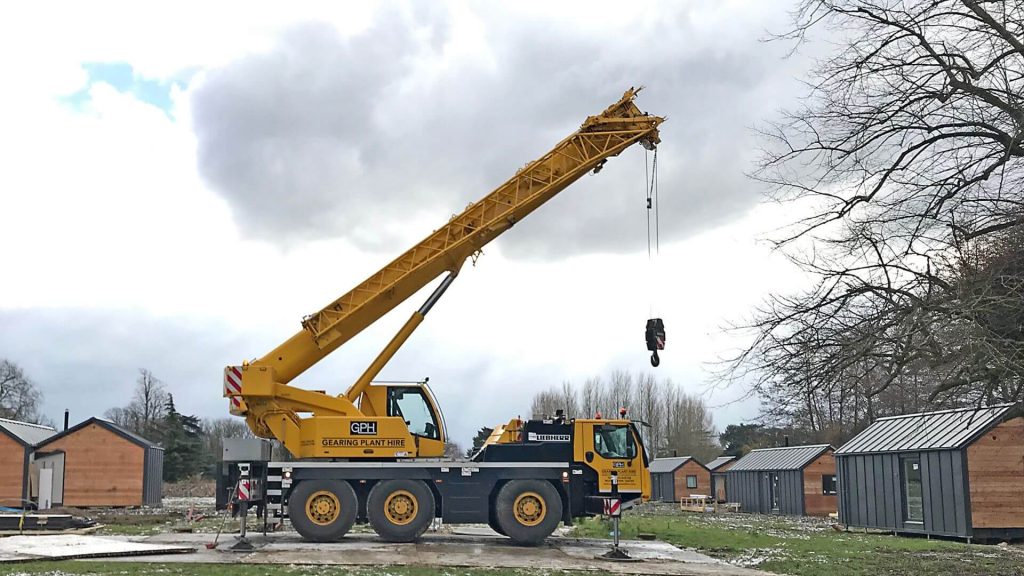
<point>672,421</point>
<point>19,397</point>
<point>215,430</point>
<point>146,409</point>
<point>590,397</point>
<point>546,403</point>
<point>907,158</point>
<point>150,398</point>
<point>568,399</point>
<point>123,417</point>
<point>453,450</point>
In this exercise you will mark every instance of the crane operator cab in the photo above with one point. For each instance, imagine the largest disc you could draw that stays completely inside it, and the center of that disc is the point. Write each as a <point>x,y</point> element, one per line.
<point>413,406</point>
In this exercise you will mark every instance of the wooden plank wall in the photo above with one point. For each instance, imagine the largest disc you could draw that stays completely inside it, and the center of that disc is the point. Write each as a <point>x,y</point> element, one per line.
<point>816,503</point>
<point>101,468</point>
<point>995,471</point>
<point>692,468</point>
<point>12,470</point>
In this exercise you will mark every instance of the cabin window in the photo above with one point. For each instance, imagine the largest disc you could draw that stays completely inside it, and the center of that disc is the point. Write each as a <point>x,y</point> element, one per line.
<point>691,481</point>
<point>612,441</point>
<point>409,404</point>
<point>913,495</point>
<point>828,484</point>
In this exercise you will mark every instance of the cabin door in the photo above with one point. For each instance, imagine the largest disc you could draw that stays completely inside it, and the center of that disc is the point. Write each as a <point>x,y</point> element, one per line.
<point>45,488</point>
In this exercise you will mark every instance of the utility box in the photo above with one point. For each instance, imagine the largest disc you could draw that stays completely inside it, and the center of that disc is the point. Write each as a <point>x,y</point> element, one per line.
<point>246,450</point>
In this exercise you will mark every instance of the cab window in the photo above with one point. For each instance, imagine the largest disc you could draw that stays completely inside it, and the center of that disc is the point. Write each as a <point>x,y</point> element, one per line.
<point>614,442</point>
<point>411,405</point>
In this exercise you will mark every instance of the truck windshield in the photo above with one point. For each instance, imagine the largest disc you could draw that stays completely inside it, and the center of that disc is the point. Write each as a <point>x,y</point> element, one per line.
<point>411,405</point>
<point>614,442</point>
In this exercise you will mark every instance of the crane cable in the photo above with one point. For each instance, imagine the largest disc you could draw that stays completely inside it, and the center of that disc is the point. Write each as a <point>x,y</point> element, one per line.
<point>655,330</point>
<point>651,189</point>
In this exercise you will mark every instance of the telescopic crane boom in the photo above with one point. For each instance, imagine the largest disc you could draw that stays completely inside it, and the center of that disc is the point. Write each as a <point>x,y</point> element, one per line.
<point>367,422</point>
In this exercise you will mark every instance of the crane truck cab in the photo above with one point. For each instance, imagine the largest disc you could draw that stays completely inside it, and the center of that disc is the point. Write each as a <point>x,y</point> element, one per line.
<point>598,450</point>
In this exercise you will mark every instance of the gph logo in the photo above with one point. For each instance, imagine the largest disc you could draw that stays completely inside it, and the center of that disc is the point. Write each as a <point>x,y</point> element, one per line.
<point>363,428</point>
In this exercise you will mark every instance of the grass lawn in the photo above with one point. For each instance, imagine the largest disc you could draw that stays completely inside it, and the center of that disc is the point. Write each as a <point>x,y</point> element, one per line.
<point>802,547</point>
<point>73,567</point>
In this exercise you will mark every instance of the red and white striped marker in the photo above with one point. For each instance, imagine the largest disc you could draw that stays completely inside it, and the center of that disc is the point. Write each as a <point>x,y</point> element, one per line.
<point>232,387</point>
<point>612,507</point>
<point>243,490</point>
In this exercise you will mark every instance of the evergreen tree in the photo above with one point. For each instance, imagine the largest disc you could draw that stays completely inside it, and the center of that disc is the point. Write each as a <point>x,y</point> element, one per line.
<point>478,440</point>
<point>182,439</point>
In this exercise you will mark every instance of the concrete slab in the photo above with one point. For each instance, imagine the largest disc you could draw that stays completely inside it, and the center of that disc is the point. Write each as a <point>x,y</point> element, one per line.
<point>72,546</point>
<point>478,549</point>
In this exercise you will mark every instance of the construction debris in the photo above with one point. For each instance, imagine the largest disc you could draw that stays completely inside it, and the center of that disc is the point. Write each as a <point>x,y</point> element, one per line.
<point>33,522</point>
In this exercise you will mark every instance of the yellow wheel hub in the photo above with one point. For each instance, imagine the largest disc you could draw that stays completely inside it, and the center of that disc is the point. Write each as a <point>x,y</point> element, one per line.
<point>400,507</point>
<point>529,509</point>
<point>323,507</point>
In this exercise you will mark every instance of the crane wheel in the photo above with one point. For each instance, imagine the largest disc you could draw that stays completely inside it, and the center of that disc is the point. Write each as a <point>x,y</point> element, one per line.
<point>322,510</point>
<point>528,511</point>
<point>400,510</point>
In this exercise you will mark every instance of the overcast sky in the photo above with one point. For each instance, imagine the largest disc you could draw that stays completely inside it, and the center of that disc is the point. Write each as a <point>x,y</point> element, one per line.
<point>178,188</point>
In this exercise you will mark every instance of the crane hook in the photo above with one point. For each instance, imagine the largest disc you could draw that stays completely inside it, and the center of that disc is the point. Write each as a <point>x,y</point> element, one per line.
<point>654,334</point>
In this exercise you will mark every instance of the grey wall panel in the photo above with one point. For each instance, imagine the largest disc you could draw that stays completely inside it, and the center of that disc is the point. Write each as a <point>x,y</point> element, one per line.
<point>928,491</point>
<point>841,499</point>
<point>752,490</point>
<point>153,477</point>
<point>668,487</point>
<point>871,492</point>
<point>949,499</point>
<point>745,488</point>
<point>862,482</point>
<point>897,491</point>
<point>791,496</point>
<point>891,488</point>
<point>871,473</point>
<point>662,487</point>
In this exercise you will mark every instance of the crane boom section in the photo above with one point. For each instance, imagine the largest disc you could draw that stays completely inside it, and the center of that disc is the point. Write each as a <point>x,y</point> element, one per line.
<point>446,249</point>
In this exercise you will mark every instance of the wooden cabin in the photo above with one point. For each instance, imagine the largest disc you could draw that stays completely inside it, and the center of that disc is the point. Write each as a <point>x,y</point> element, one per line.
<point>718,467</point>
<point>794,481</point>
<point>102,464</point>
<point>17,441</point>
<point>673,479</point>
<point>956,473</point>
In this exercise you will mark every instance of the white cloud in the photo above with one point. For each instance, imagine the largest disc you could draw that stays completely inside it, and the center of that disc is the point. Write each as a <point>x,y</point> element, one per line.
<point>121,256</point>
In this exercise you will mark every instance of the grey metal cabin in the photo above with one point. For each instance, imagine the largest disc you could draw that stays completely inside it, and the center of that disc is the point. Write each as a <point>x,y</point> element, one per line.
<point>957,473</point>
<point>793,481</point>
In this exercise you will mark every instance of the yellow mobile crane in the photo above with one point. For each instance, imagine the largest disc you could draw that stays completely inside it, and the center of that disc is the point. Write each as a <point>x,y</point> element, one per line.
<point>362,453</point>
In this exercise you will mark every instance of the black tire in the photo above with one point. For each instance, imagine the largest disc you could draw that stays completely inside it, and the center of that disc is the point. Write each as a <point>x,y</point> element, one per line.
<point>528,511</point>
<point>322,510</point>
<point>400,510</point>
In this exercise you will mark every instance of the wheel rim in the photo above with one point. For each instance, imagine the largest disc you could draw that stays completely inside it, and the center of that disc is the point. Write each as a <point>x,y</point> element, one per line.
<point>400,507</point>
<point>323,507</point>
<point>529,508</point>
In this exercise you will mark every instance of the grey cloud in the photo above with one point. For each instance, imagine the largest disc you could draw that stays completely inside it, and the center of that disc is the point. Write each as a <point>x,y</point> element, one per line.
<point>325,136</point>
<point>88,361</point>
